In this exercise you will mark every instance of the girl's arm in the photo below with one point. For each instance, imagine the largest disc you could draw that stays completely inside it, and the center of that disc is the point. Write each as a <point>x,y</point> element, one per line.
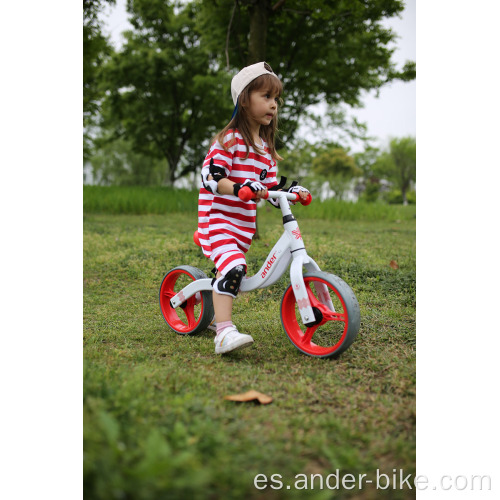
<point>225,186</point>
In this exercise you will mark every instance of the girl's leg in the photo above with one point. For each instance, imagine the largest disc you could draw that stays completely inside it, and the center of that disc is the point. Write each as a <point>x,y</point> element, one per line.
<point>231,265</point>
<point>223,306</point>
<point>227,338</point>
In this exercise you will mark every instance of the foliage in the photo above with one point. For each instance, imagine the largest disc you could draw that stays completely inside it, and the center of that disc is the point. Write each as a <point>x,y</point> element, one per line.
<point>371,191</point>
<point>165,90</point>
<point>395,197</point>
<point>335,162</point>
<point>399,163</point>
<point>117,162</point>
<point>155,422</point>
<point>323,51</point>
<point>334,166</point>
<point>96,49</point>
<point>332,126</point>
<point>366,159</point>
<point>297,161</point>
<point>310,161</point>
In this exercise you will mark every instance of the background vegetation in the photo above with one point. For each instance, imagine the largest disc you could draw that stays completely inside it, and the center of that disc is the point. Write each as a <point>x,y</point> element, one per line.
<point>151,108</point>
<point>165,200</point>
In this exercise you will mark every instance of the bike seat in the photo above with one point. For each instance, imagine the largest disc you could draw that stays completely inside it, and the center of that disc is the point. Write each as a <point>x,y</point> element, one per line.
<point>196,239</point>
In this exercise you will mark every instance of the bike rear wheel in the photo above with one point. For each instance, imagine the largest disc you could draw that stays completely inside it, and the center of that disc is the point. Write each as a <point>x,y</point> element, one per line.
<point>336,311</point>
<point>196,313</point>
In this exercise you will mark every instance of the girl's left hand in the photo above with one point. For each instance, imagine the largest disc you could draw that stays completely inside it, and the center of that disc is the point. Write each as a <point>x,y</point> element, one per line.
<point>262,194</point>
<point>303,192</point>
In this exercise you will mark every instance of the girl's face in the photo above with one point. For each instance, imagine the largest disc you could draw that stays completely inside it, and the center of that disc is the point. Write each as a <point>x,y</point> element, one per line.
<point>263,106</point>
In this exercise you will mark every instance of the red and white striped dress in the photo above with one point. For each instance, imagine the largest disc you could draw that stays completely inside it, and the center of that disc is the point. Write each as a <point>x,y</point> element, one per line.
<point>226,224</point>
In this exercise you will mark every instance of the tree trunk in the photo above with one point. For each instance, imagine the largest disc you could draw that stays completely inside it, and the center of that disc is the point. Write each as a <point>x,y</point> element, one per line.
<point>405,201</point>
<point>257,40</point>
<point>170,172</point>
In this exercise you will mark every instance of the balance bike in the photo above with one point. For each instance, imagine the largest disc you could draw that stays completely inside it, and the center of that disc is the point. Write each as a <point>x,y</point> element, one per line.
<point>319,311</point>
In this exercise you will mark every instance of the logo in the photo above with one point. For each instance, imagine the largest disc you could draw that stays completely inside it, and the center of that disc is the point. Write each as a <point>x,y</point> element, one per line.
<point>303,303</point>
<point>263,174</point>
<point>296,233</point>
<point>270,263</point>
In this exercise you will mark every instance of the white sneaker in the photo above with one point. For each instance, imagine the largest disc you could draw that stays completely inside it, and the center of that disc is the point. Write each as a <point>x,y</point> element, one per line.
<point>213,325</point>
<point>231,339</point>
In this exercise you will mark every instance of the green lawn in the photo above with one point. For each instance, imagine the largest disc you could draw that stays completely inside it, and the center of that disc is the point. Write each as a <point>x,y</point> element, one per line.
<point>156,422</point>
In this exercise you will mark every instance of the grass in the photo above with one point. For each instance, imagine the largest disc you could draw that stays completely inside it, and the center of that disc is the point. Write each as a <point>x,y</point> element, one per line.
<point>156,423</point>
<point>164,200</point>
<point>138,200</point>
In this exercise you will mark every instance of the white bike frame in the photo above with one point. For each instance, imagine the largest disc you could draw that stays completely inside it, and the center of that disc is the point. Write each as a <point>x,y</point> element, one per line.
<point>289,248</point>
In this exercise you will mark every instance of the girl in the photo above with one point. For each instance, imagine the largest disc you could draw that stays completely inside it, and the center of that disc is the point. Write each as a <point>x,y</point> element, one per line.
<point>243,154</point>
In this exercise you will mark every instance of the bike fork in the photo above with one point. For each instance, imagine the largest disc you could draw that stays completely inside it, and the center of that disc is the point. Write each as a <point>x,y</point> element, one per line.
<point>299,287</point>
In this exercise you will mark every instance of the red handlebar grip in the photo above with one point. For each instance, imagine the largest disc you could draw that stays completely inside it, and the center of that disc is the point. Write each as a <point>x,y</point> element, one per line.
<point>245,194</point>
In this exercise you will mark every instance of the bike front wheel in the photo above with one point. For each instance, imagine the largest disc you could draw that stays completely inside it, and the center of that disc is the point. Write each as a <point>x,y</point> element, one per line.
<point>196,313</point>
<point>336,316</point>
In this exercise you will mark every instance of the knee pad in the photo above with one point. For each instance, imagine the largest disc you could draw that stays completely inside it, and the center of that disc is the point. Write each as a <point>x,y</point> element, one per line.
<point>230,283</point>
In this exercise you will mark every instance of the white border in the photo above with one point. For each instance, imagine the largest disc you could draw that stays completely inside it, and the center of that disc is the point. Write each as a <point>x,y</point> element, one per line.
<point>41,250</point>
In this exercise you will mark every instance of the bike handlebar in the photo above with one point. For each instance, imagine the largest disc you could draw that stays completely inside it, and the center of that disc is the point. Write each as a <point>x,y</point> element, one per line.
<point>246,194</point>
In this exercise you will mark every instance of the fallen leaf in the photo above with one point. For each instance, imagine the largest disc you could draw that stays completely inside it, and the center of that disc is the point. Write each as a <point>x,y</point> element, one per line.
<point>250,396</point>
<point>394,264</point>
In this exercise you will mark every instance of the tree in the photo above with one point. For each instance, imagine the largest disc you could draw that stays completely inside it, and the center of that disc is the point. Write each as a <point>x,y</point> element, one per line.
<point>116,163</point>
<point>167,95</point>
<point>335,166</point>
<point>323,51</point>
<point>399,164</point>
<point>366,160</point>
<point>168,89</point>
<point>95,51</point>
<point>369,186</point>
<point>297,162</point>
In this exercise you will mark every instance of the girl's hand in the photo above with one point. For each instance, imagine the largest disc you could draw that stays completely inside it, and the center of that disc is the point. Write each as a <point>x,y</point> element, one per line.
<point>303,192</point>
<point>261,194</point>
<point>255,186</point>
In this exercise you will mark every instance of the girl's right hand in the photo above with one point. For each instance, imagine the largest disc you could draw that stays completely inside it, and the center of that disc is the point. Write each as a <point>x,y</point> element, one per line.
<point>255,186</point>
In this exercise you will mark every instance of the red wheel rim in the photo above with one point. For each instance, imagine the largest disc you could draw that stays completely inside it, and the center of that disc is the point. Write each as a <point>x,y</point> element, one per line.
<point>182,319</point>
<point>306,338</point>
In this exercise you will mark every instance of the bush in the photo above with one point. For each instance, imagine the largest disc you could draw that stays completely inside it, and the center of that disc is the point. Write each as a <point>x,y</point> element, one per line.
<point>395,197</point>
<point>371,192</point>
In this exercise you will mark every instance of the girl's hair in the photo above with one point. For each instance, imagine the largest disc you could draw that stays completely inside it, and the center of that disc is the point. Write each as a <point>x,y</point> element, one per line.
<point>240,121</point>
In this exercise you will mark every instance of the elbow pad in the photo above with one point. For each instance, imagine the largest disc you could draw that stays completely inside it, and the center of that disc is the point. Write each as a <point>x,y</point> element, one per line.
<point>217,174</point>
